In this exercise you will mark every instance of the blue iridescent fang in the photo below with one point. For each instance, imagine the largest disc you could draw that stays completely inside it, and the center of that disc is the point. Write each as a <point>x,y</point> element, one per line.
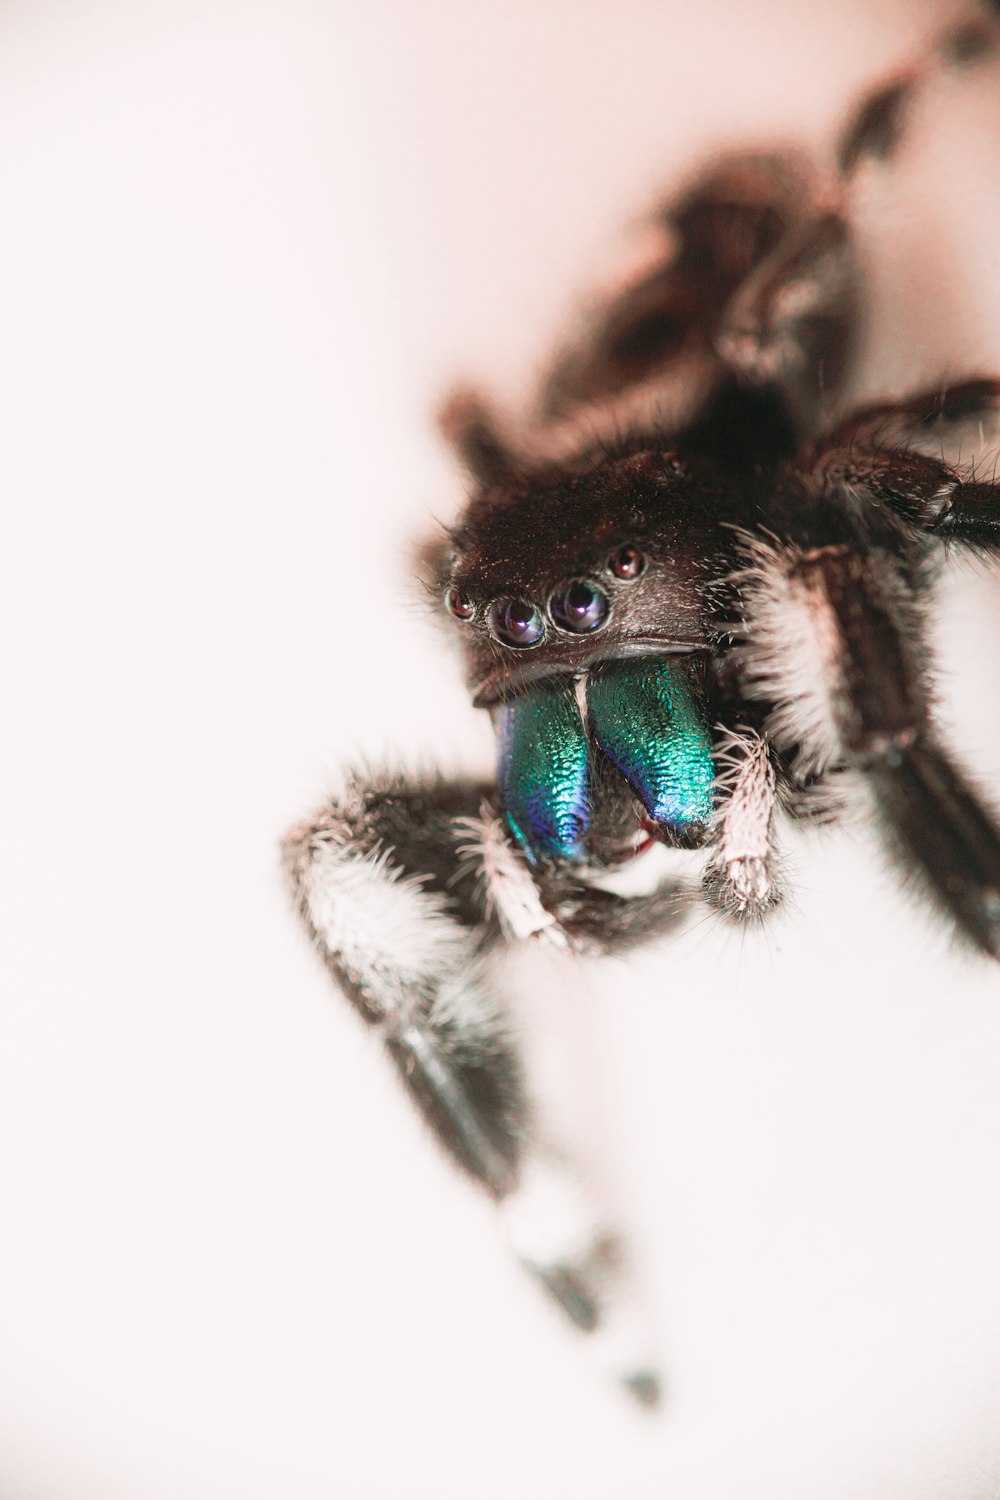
<point>542,772</point>
<point>648,720</point>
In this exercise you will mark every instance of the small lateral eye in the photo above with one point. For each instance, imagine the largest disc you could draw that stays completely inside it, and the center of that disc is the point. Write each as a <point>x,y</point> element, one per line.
<point>628,562</point>
<point>580,607</point>
<point>456,604</point>
<point>517,623</point>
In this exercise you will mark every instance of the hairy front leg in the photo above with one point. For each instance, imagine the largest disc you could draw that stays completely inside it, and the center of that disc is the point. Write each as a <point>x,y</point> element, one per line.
<point>371,874</point>
<point>835,642</point>
<point>411,890</point>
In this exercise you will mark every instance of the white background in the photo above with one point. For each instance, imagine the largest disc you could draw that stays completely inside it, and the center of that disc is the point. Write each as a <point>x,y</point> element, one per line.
<point>244,248</point>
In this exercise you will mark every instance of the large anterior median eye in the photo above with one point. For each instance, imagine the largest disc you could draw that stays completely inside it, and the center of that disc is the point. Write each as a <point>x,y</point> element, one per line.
<point>579,607</point>
<point>516,622</point>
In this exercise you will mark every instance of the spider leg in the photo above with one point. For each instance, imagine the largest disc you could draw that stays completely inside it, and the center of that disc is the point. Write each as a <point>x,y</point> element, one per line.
<point>834,641</point>
<point>792,322</point>
<point>927,421</point>
<point>877,453</point>
<point>748,275</point>
<point>474,433</point>
<point>658,326</point>
<point>877,126</point>
<point>791,319</point>
<point>370,873</point>
<point>412,890</point>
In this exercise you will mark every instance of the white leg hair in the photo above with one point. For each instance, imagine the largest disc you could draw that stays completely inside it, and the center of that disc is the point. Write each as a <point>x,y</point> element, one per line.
<point>793,649</point>
<point>393,939</point>
<point>419,976</point>
<point>744,859</point>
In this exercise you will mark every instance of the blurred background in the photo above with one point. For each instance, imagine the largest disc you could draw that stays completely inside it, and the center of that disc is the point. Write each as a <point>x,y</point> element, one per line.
<point>246,248</point>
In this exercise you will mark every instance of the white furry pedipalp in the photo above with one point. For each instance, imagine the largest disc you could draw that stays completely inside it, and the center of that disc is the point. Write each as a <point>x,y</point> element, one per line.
<point>746,786</point>
<point>508,887</point>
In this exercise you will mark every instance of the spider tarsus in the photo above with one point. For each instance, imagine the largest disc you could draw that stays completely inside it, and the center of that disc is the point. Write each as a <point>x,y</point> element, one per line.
<point>744,891</point>
<point>569,1288</point>
<point>968,43</point>
<point>877,128</point>
<point>645,1387</point>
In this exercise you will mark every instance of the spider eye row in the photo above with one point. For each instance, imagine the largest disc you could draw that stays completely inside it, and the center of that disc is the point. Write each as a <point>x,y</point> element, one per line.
<point>579,607</point>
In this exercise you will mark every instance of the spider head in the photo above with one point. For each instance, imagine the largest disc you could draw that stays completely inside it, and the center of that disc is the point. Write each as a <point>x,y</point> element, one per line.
<point>585,598</point>
<point>554,573</point>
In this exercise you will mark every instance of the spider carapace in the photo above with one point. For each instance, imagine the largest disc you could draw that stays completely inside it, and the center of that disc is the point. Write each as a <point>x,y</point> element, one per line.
<point>692,593</point>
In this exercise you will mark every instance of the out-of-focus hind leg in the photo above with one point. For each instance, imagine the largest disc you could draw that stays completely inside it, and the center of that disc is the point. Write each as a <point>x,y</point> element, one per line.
<point>792,324</point>
<point>660,326</point>
<point>929,422</point>
<point>877,126</point>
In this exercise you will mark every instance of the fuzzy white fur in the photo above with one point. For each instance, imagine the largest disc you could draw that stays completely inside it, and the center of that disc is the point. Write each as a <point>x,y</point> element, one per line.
<point>747,788</point>
<point>793,650</point>
<point>393,938</point>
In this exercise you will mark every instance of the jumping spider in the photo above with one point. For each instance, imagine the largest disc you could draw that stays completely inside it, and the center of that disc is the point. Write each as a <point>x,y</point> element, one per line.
<point>711,605</point>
